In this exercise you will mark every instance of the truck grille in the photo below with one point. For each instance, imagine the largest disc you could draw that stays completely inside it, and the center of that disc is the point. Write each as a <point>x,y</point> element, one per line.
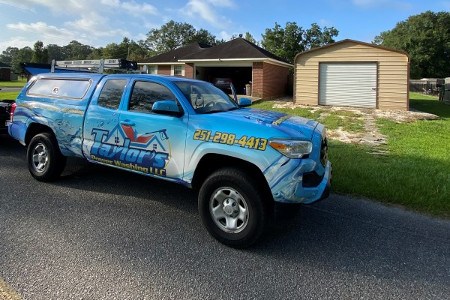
<point>324,151</point>
<point>311,179</point>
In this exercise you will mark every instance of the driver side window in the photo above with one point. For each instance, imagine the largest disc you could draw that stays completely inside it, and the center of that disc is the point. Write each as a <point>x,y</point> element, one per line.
<point>146,93</point>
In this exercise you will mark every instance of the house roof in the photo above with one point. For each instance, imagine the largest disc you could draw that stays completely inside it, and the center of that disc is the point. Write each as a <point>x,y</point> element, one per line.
<point>238,48</point>
<point>177,54</point>
<point>349,41</point>
<point>2,65</point>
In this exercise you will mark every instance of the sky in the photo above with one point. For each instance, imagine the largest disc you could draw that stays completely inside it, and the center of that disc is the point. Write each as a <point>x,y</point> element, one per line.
<point>100,22</point>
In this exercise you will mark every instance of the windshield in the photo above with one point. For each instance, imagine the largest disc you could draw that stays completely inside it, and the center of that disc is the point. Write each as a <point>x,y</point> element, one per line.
<point>205,98</point>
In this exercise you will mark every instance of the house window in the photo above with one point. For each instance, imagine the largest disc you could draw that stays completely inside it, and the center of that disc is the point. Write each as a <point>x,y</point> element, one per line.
<point>152,69</point>
<point>177,70</point>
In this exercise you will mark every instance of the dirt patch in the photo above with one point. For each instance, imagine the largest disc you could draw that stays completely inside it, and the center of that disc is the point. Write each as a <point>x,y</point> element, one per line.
<point>370,135</point>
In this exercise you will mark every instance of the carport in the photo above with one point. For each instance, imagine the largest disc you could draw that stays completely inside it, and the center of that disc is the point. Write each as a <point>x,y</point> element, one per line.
<point>240,76</point>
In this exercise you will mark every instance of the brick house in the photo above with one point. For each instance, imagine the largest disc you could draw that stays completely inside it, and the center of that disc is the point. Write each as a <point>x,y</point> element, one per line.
<point>239,60</point>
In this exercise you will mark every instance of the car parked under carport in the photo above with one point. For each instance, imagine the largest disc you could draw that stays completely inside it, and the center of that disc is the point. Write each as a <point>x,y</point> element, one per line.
<point>5,109</point>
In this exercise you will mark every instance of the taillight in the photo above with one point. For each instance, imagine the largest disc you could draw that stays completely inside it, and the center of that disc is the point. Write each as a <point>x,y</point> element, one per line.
<point>11,111</point>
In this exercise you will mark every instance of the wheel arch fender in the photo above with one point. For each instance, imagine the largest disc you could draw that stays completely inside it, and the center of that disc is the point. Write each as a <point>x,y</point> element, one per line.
<point>35,129</point>
<point>212,162</point>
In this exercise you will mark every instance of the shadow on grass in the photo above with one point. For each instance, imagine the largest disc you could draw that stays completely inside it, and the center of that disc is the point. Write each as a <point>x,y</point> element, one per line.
<point>432,106</point>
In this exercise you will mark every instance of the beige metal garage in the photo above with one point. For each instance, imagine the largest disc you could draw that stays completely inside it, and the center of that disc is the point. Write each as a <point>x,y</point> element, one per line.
<point>352,73</point>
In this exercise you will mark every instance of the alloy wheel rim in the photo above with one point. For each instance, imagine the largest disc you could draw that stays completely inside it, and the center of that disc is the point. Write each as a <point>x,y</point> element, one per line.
<point>229,210</point>
<point>40,158</point>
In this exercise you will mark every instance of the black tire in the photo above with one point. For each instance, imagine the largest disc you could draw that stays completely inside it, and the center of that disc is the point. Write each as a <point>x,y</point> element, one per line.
<point>45,161</point>
<point>234,194</point>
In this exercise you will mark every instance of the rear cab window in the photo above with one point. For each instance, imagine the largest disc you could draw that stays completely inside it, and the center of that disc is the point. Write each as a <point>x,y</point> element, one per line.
<point>60,88</point>
<point>111,93</point>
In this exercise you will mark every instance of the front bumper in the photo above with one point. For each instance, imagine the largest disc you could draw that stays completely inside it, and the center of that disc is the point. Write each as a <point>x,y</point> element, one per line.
<point>295,191</point>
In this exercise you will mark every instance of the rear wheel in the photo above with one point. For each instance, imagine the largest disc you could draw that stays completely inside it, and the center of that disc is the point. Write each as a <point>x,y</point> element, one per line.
<point>45,161</point>
<point>232,208</point>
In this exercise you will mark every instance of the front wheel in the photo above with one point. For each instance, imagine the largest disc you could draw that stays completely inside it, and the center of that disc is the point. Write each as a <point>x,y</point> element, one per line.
<point>45,161</point>
<point>232,209</point>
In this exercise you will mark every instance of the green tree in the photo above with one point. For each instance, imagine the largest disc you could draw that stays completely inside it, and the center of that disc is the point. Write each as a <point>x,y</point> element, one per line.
<point>287,42</point>
<point>76,50</point>
<point>8,55</point>
<point>426,38</point>
<point>249,37</point>
<point>173,35</point>
<point>55,52</point>
<point>127,49</point>
<point>284,42</point>
<point>40,53</point>
<point>96,53</point>
<point>114,50</point>
<point>201,36</point>
<point>317,37</point>
<point>24,55</point>
<point>138,51</point>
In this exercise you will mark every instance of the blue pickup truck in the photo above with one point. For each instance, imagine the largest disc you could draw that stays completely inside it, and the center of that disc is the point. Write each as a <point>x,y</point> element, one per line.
<point>239,160</point>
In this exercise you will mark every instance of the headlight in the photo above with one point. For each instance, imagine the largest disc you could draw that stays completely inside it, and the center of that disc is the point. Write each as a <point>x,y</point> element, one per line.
<point>291,148</point>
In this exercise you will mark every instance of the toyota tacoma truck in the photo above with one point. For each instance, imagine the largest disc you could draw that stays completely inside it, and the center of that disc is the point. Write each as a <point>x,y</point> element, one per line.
<point>239,160</point>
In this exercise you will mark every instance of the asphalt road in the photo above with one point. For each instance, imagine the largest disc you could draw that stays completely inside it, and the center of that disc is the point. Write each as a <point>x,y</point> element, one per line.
<point>99,233</point>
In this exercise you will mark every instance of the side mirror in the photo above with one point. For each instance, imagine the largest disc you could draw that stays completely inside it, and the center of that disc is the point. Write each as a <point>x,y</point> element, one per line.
<point>166,107</point>
<point>242,102</point>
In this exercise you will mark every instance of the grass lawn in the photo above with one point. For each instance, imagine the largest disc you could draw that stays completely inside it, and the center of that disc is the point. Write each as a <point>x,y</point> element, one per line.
<point>17,83</point>
<point>8,95</point>
<point>415,172</point>
<point>11,84</point>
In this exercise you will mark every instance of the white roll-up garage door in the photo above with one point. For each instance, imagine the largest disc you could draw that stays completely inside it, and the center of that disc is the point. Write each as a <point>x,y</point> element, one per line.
<point>348,84</point>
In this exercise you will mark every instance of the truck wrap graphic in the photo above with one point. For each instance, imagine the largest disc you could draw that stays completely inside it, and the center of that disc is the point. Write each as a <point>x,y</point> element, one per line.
<point>144,153</point>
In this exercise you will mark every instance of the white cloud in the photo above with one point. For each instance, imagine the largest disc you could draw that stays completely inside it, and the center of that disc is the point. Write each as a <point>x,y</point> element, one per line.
<point>132,7</point>
<point>89,22</point>
<point>41,29</point>
<point>15,4</point>
<point>403,5</point>
<point>324,23</point>
<point>222,3</point>
<point>139,9</point>
<point>95,25</point>
<point>17,41</point>
<point>206,10</point>
<point>224,35</point>
<point>56,6</point>
<point>31,32</point>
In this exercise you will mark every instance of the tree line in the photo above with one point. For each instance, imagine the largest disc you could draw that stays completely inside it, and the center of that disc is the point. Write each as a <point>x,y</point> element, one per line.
<point>425,37</point>
<point>285,42</point>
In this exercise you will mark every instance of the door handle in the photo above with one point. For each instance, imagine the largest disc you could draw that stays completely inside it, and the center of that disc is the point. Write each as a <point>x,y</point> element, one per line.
<point>127,123</point>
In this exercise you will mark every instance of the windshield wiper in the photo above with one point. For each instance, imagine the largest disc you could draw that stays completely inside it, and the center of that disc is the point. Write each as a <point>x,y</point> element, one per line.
<point>233,108</point>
